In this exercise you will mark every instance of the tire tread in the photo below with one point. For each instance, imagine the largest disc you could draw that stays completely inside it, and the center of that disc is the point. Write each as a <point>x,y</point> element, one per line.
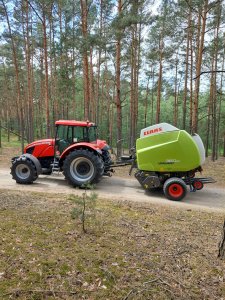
<point>95,159</point>
<point>170,181</point>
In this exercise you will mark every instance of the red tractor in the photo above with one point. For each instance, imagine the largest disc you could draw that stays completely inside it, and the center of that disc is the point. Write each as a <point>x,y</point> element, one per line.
<point>75,151</point>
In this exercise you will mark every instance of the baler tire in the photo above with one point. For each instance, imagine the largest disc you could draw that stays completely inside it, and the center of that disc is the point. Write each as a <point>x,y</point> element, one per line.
<point>23,171</point>
<point>82,167</point>
<point>198,185</point>
<point>175,189</point>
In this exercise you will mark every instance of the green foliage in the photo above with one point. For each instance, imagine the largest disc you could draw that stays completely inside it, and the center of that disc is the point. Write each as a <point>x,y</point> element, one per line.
<point>163,27</point>
<point>84,206</point>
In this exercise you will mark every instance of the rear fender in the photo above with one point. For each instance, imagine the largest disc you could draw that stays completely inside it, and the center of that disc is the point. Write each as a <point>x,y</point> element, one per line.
<point>77,146</point>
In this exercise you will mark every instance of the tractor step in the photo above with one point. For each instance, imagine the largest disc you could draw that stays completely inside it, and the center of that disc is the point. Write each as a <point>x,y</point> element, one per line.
<point>55,166</point>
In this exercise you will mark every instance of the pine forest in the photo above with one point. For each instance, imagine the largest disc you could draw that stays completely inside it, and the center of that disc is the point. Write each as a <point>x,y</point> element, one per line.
<point>123,64</point>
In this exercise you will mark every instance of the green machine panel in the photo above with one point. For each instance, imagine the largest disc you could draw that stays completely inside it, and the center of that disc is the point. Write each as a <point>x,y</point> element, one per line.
<point>170,151</point>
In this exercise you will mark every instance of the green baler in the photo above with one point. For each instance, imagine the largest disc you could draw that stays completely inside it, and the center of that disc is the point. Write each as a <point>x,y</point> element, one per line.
<point>169,158</point>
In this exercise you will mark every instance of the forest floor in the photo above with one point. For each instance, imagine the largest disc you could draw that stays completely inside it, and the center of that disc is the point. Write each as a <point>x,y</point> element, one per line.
<point>132,250</point>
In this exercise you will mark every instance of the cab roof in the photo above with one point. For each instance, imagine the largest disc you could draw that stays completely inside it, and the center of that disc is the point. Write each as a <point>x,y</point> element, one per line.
<point>74,123</point>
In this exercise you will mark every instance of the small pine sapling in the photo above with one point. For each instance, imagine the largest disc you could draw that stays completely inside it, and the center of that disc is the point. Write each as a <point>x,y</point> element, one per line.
<point>85,206</point>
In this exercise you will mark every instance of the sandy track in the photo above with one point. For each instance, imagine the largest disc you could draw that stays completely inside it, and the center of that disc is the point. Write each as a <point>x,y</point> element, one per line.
<point>118,188</point>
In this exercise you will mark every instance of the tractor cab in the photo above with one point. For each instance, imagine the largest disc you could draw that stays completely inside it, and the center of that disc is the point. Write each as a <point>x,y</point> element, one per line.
<point>72,132</point>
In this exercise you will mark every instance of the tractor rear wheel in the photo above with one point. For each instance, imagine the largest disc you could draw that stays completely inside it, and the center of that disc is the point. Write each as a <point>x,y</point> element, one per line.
<point>23,171</point>
<point>83,167</point>
<point>174,189</point>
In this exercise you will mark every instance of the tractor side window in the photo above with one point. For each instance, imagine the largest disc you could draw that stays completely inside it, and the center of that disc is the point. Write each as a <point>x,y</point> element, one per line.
<point>70,135</point>
<point>79,134</point>
<point>62,138</point>
<point>62,132</point>
<point>92,133</point>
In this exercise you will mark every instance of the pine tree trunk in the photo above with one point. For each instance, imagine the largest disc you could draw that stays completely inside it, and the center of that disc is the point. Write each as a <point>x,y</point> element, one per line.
<point>214,104</point>
<point>92,89</point>
<point>118,91</point>
<point>131,134</point>
<point>51,67</point>
<point>15,61</point>
<point>209,110</point>
<point>45,48</point>
<point>137,68</point>
<point>146,103</point>
<point>84,15</point>
<point>191,81</point>
<point>201,25</point>
<point>73,62</point>
<point>158,105</point>
<point>99,65</point>
<point>42,95</point>
<point>152,97</point>
<point>29,79</point>
<point>220,106</point>
<point>175,95</point>
<point>186,70</point>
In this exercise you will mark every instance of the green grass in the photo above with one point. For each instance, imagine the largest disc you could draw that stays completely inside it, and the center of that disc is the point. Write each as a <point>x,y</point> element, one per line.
<point>144,251</point>
<point>12,142</point>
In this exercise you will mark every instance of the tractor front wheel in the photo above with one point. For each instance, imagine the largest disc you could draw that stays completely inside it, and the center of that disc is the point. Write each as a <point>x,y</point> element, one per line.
<point>174,189</point>
<point>23,171</point>
<point>82,167</point>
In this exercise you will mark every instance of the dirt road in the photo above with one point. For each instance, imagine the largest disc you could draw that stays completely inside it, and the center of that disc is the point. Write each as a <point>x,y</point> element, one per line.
<point>119,188</point>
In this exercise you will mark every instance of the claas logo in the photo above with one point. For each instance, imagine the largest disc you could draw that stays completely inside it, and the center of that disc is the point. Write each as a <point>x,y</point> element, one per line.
<point>156,130</point>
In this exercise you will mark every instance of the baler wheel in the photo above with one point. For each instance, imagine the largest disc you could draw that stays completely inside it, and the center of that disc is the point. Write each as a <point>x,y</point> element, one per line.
<point>83,167</point>
<point>198,185</point>
<point>23,171</point>
<point>174,189</point>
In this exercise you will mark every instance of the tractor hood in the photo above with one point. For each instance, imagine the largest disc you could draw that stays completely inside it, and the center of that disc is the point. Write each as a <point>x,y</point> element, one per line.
<point>41,148</point>
<point>42,142</point>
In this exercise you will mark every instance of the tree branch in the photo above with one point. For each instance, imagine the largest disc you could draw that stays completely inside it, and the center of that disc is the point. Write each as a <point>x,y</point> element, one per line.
<point>36,13</point>
<point>191,7</point>
<point>207,72</point>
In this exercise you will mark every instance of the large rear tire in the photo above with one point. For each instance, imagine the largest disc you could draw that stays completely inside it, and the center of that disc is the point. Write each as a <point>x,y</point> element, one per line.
<point>83,167</point>
<point>175,189</point>
<point>23,171</point>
